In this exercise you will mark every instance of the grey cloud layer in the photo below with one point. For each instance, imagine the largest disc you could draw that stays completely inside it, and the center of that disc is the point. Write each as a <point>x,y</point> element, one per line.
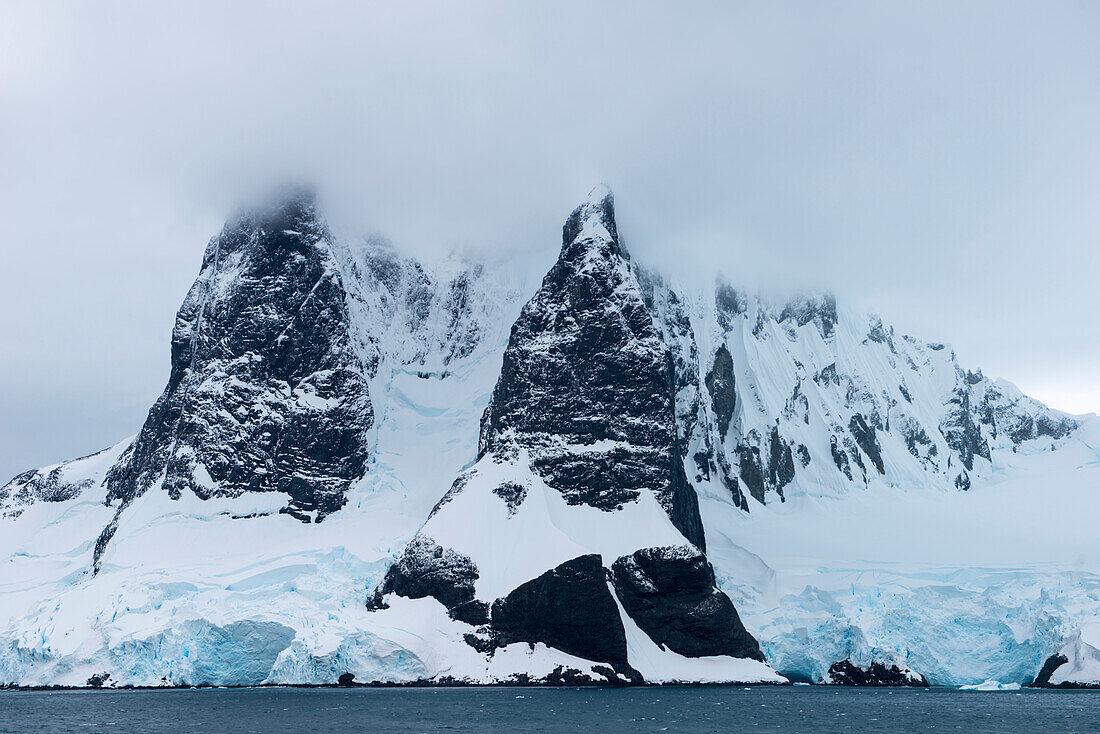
<point>934,162</point>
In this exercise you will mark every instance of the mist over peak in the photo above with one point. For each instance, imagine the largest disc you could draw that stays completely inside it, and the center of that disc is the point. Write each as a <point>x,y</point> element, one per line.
<point>949,185</point>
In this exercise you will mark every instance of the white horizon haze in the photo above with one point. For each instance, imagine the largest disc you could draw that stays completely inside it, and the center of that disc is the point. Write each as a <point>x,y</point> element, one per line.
<point>935,163</point>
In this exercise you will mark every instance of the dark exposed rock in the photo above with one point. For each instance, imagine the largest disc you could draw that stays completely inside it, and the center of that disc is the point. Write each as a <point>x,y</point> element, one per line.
<point>827,375</point>
<point>819,309</point>
<point>265,392</point>
<point>569,608</point>
<point>798,405</point>
<point>1051,665</point>
<point>34,486</point>
<point>1021,418</point>
<point>854,453</point>
<point>866,439</point>
<point>728,303</point>
<point>721,385</point>
<point>346,680</point>
<point>880,334</point>
<point>473,611</point>
<point>696,426</point>
<point>98,680</point>
<point>566,676</point>
<point>585,363</point>
<point>960,431</point>
<point>484,639</point>
<point>1019,428</point>
<point>101,542</point>
<point>766,464</point>
<point>729,481</point>
<point>462,331</point>
<point>1053,426</point>
<point>839,457</point>
<point>847,673</point>
<point>758,327</point>
<point>780,461</point>
<point>803,455</point>
<point>427,569</point>
<point>914,435</point>
<point>752,470</point>
<point>702,466</point>
<point>513,495</point>
<point>671,594</point>
<point>456,487</point>
<point>1078,676</point>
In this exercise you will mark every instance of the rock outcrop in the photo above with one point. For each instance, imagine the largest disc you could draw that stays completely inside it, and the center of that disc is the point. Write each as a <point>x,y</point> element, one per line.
<point>1076,664</point>
<point>847,673</point>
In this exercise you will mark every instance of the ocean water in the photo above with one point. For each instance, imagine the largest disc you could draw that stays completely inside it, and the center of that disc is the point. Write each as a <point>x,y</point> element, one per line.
<point>672,709</point>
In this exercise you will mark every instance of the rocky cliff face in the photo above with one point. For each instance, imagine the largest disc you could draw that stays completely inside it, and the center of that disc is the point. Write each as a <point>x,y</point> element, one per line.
<point>587,387</point>
<point>583,418</point>
<point>265,392</point>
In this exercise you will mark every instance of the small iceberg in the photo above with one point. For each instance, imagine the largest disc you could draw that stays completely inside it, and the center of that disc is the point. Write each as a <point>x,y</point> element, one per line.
<point>991,685</point>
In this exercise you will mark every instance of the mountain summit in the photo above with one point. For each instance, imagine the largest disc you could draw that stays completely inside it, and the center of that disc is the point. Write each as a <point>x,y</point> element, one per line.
<point>577,521</point>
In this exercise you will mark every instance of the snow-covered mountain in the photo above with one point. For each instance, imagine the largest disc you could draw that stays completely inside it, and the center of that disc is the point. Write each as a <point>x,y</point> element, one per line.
<point>634,468</point>
<point>577,528</point>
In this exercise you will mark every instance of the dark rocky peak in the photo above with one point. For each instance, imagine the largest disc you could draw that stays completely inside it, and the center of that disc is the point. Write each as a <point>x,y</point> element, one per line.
<point>265,391</point>
<point>820,309</point>
<point>587,402</point>
<point>592,224</point>
<point>587,365</point>
<point>290,209</point>
<point>878,332</point>
<point>729,304</point>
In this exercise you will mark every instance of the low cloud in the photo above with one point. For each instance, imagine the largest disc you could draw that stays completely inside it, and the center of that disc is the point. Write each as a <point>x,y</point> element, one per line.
<point>936,163</point>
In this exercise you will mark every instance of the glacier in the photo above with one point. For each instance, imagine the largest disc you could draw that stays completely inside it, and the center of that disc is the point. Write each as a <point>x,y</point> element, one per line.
<point>862,497</point>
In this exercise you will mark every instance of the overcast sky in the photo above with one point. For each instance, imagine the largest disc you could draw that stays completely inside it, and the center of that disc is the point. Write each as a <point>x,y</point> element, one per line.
<point>937,162</point>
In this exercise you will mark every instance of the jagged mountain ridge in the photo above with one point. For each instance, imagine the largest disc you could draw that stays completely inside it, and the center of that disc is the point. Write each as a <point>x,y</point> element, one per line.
<point>810,399</point>
<point>740,401</point>
<point>355,299</point>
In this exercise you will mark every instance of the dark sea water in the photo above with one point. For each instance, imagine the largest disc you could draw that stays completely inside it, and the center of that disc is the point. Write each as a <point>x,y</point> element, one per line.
<point>703,709</point>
